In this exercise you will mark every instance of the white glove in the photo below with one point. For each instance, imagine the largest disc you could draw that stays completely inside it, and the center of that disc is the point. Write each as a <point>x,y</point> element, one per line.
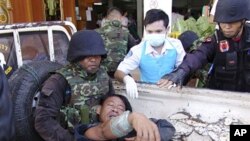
<point>2,60</point>
<point>131,87</point>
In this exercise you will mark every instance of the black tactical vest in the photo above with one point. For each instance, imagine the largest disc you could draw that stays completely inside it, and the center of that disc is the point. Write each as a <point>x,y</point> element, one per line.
<point>232,63</point>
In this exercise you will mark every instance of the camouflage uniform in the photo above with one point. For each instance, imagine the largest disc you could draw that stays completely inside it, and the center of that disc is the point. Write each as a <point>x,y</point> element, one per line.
<point>116,43</point>
<point>85,92</point>
<point>68,97</point>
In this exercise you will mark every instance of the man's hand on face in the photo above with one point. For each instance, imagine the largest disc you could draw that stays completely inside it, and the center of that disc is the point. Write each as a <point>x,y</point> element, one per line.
<point>146,129</point>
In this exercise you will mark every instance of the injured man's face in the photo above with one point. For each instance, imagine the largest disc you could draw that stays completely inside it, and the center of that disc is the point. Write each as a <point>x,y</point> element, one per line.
<point>112,107</point>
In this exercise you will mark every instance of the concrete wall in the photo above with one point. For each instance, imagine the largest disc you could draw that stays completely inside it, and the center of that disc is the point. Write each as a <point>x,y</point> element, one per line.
<point>197,114</point>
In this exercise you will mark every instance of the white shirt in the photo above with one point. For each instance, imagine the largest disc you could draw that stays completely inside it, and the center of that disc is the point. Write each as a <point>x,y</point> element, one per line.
<point>132,59</point>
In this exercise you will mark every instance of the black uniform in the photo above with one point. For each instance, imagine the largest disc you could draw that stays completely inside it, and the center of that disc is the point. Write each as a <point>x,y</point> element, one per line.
<point>6,116</point>
<point>230,58</point>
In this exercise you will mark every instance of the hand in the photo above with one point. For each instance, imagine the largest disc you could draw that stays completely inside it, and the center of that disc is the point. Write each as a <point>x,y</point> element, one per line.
<point>175,78</point>
<point>131,87</point>
<point>146,130</point>
<point>165,83</point>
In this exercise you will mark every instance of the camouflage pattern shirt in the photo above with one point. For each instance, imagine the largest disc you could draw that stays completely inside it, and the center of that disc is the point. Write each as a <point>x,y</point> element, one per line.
<point>67,98</point>
<point>116,43</point>
<point>86,91</point>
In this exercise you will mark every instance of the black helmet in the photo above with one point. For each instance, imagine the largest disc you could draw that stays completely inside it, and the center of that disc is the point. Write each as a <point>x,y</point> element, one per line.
<point>187,39</point>
<point>85,43</point>
<point>231,10</point>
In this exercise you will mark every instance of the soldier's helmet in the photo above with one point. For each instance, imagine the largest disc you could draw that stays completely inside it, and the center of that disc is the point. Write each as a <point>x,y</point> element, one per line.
<point>85,43</point>
<point>228,11</point>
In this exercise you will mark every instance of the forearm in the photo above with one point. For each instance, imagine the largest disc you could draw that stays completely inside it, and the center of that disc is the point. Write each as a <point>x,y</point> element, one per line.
<point>50,129</point>
<point>119,75</point>
<point>198,58</point>
<point>50,102</point>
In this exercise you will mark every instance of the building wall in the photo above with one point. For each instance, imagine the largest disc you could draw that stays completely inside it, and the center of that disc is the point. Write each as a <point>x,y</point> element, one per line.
<point>34,10</point>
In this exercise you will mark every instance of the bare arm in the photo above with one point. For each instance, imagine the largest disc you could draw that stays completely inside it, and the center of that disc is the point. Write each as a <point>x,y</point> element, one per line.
<point>119,75</point>
<point>145,128</point>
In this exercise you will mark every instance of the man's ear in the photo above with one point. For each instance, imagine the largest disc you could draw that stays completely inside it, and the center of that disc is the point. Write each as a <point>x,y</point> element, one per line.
<point>98,109</point>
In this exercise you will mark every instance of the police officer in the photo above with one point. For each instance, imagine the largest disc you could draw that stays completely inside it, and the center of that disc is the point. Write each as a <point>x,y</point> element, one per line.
<point>228,49</point>
<point>117,40</point>
<point>71,94</point>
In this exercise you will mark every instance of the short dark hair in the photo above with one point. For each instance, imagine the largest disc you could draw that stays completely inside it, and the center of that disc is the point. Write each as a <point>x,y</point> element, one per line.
<point>113,9</point>
<point>154,15</point>
<point>127,104</point>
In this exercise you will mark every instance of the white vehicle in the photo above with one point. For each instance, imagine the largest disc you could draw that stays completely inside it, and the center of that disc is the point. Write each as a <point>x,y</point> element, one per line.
<point>31,51</point>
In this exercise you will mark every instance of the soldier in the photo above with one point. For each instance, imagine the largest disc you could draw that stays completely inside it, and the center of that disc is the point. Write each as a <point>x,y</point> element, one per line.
<point>71,94</point>
<point>228,50</point>
<point>117,40</point>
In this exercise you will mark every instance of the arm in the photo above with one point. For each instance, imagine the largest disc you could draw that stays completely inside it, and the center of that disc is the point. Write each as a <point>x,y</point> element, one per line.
<point>6,116</point>
<point>200,57</point>
<point>131,87</point>
<point>50,102</point>
<point>130,62</point>
<point>119,75</point>
<point>166,129</point>
<point>179,58</point>
<point>191,63</point>
<point>146,129</point>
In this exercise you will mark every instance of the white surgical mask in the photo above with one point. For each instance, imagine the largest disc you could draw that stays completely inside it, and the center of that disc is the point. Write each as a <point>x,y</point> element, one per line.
<point>156,39</point>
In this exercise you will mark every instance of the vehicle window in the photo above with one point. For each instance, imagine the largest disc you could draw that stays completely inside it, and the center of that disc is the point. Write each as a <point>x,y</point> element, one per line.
<point>34,47</point>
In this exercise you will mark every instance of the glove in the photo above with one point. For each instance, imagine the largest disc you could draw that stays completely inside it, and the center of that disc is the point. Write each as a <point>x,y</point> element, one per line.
<point>131,87</point>
<point>177,77</point>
